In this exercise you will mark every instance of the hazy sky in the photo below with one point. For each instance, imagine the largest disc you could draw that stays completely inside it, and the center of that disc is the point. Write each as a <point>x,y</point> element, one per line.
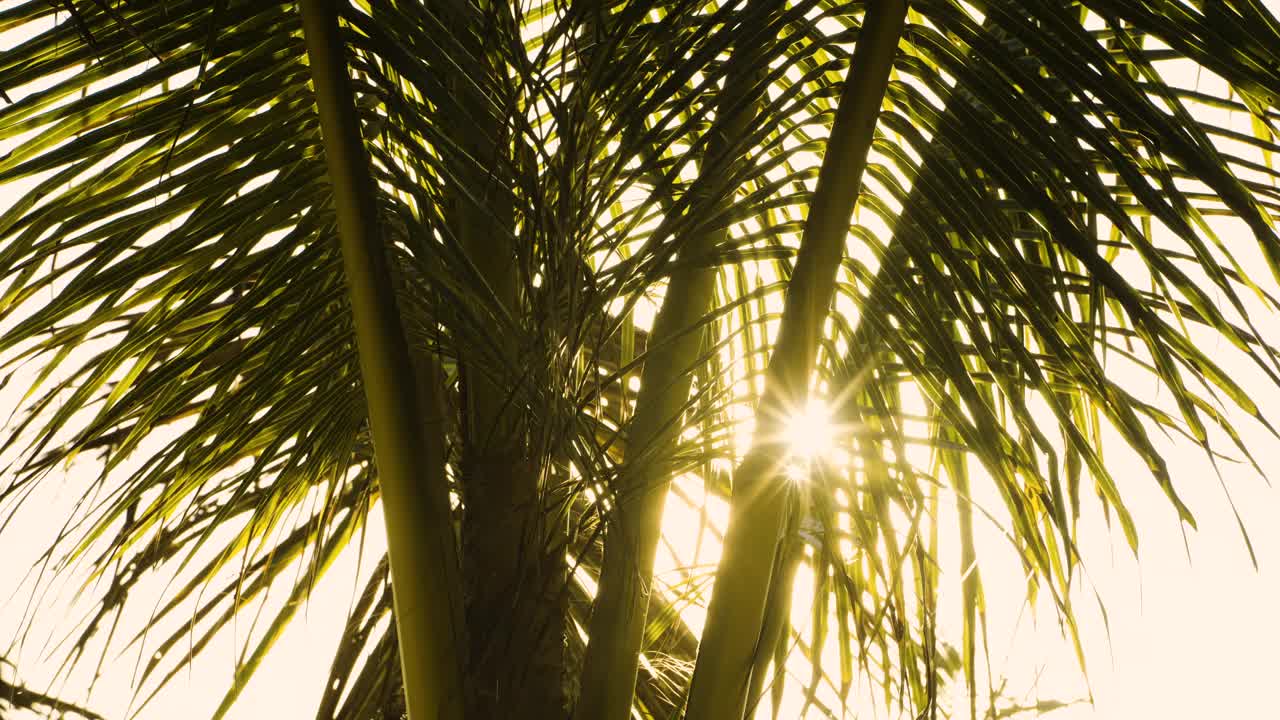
<point>1192,627</point>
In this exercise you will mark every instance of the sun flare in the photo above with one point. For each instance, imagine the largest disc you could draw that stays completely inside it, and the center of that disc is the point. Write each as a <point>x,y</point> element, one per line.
<point>809,433</point>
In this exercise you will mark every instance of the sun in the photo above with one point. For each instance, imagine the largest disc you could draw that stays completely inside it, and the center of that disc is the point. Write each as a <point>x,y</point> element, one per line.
<point>809,433</point>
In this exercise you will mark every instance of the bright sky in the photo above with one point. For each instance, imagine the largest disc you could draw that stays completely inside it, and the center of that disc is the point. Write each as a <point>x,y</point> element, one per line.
<point>1192,626</point>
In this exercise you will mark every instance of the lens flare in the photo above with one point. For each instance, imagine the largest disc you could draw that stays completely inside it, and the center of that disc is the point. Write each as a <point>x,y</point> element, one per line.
<point>808,435</point>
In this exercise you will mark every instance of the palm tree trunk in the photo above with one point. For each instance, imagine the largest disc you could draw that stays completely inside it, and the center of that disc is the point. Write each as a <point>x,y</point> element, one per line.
<point>512,557</point>
<point>736,613</point>
<point>424,565</point>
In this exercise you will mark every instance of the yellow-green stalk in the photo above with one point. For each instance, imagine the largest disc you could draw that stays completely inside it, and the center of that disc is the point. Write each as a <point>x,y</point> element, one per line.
<point>616,630</point>
<point>736,614</point>
<point>423,555</point>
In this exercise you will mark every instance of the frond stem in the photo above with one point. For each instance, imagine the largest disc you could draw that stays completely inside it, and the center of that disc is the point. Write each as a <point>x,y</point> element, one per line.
<point>736,613</point>
<point>424,563</point>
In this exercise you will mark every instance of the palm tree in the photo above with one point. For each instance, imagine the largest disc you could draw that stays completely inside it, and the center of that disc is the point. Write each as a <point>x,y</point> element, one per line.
<point>508,269</point>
